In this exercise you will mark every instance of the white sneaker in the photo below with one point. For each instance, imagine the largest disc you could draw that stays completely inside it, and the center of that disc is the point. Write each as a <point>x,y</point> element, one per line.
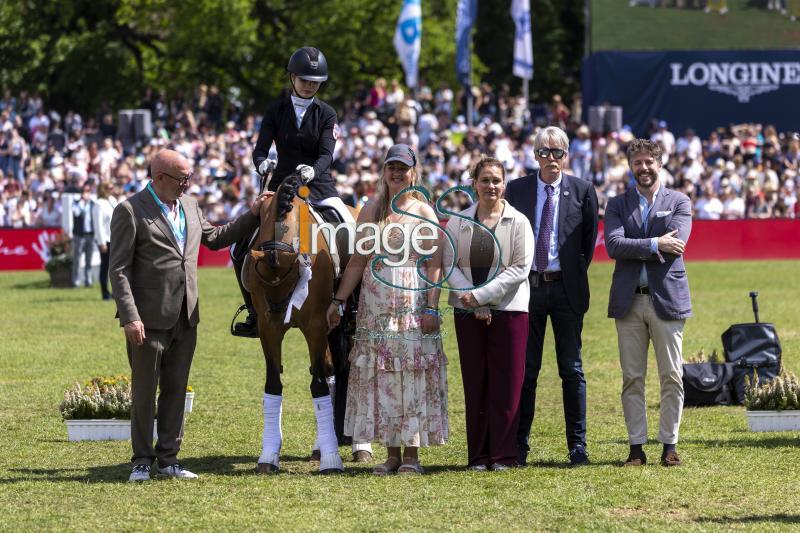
<point>140,473</point>
<point>177,471</point>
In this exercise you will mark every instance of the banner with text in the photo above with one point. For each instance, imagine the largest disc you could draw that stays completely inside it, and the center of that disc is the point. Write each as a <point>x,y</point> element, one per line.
<point>702,90</point>
<point>711,240</point>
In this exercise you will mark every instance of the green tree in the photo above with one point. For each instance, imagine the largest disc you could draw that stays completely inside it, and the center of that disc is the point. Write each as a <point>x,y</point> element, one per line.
<point>558,33</point>
<point>80,54</point>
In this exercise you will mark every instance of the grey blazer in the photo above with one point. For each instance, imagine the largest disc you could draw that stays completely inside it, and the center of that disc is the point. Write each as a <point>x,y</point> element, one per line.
<point>627,243</point>
<point>150,276</point>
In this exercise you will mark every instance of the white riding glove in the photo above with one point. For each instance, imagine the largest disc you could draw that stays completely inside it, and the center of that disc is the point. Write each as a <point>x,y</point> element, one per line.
<point>306,173</point>
<point>267,165</point>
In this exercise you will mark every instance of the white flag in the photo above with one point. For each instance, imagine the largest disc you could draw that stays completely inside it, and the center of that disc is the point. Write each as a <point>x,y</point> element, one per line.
<point>408,39</point>
<point>523,48</point>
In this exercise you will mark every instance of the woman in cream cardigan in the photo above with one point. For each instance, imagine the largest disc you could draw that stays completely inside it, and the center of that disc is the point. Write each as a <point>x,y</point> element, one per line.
<point>489,291</point>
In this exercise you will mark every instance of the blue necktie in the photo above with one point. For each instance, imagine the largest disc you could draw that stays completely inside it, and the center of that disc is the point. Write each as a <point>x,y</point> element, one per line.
<point>545,230</point>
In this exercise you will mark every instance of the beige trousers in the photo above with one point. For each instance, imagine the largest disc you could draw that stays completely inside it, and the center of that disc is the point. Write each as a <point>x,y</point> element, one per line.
<point>634,333</point>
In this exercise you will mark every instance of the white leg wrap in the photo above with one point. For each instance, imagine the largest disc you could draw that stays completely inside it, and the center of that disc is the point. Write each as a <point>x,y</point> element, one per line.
<point>326,436</point>
<point>272,437</point>
<point>365,446</point>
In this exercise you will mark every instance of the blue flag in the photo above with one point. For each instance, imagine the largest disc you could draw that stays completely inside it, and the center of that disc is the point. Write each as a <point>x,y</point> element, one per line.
<point>408,38</point>
<point>465,18</point>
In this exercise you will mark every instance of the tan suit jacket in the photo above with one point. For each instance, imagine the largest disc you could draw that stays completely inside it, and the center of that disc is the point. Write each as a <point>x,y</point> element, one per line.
<point>150,276</point>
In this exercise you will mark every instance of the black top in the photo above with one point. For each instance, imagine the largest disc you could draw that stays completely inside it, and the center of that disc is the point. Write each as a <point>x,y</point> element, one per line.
<point>481,254</point>
<point>311,145</point>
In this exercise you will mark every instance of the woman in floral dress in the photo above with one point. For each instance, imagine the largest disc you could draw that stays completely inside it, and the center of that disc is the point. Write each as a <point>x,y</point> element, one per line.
<point>397,391</point>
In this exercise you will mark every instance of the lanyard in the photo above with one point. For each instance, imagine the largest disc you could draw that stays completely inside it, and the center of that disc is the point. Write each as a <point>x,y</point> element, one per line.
<point>178,230</point>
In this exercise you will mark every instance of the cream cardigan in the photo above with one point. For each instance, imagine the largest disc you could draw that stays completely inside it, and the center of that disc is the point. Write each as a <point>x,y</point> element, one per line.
<point>506,290</point>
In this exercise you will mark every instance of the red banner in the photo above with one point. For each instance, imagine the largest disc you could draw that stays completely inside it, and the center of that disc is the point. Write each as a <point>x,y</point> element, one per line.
<point>725,240</point>
<point>26,249</point>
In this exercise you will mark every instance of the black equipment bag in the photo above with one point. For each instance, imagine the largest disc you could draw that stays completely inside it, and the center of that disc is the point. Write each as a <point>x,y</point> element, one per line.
<point>707,384</point>
<point>753,347</point>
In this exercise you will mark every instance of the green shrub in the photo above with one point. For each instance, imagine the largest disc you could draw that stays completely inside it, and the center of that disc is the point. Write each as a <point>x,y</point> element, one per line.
<point>59,253</point>
<point>100,397</point>
<point>700,357</point>
<point>779,394</point>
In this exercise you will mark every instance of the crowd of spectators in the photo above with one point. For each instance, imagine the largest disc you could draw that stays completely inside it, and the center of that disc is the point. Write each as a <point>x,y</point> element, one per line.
<point>743,171</point>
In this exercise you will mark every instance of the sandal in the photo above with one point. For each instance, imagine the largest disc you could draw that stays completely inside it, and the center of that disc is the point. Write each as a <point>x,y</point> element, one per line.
<point>389,467</point>
<point>411,467</point>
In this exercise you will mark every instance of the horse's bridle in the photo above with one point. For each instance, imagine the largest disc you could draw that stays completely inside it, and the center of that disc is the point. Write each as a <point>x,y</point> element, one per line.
<point>271,248</point>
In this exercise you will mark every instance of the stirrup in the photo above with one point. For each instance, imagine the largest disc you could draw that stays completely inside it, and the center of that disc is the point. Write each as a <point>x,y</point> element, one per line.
<point>233,324</point>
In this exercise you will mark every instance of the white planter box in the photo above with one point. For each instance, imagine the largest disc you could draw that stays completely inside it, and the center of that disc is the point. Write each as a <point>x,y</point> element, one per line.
<point>773,420</point>
<point>189,402</point>
<point>100,429</point>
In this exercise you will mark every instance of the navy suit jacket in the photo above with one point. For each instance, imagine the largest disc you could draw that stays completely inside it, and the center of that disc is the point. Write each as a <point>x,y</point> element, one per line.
<point>577,229</point>
<point>629,244</point>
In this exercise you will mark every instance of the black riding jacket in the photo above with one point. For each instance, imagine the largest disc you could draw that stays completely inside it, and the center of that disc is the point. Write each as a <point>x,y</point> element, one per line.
<point>311,145</point>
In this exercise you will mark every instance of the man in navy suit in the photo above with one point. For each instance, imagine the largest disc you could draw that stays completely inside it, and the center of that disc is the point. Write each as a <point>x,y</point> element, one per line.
<point>563,212</point>
<point>646,230</point>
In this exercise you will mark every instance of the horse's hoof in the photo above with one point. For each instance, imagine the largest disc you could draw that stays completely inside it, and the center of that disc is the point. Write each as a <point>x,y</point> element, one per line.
<point>267,468</point>
<point>362,456</point>
<point>315,455</point>
<point>331,471</point>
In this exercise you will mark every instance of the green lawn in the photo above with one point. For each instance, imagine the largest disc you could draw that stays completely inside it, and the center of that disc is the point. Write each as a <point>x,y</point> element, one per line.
<point>617,26</point>
<point>731,478</point>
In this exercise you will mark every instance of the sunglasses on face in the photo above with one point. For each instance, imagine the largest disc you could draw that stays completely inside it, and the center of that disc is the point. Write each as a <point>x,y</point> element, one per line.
<point>181,181</point>
<point>557,153</point>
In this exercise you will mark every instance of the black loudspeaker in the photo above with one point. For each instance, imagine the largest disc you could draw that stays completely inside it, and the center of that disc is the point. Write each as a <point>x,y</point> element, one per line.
<point>603,119</point>
<point>134,125</point>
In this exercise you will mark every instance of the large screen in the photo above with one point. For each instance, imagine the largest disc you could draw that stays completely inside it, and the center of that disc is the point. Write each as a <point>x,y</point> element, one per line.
<point>694,24</point>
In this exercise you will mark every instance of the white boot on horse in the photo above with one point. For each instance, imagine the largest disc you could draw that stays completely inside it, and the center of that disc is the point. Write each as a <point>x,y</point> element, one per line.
<point>269,460</point>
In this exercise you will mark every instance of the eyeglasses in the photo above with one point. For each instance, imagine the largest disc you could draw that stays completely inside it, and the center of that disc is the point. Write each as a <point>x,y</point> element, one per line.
<point>181,181</point>
<point>544,153</point>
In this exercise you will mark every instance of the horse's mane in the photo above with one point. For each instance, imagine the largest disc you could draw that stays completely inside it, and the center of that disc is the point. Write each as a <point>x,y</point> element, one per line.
<point>286,194</point>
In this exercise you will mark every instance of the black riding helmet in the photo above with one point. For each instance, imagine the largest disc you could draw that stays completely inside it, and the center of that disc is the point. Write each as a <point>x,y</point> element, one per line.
<point>309,64</point>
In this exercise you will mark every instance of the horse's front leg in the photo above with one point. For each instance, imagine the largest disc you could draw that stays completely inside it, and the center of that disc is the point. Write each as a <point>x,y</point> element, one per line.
<point>316,335</point>
<point>272,438</point>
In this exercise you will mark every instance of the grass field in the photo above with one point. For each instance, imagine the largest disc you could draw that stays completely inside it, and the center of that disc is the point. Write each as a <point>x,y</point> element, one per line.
<point>731,478</point>
<point>748,25</point>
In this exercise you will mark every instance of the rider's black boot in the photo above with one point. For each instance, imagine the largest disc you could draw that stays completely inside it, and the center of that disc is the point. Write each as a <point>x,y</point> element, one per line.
<point>248,328</point>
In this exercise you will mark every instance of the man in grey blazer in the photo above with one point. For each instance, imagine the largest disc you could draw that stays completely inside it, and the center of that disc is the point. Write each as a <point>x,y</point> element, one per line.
<point>155,239</point>
<point>646,231</point>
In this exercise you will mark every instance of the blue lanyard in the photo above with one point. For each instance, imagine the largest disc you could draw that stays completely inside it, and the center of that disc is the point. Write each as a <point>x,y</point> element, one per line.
<point>180,230</point>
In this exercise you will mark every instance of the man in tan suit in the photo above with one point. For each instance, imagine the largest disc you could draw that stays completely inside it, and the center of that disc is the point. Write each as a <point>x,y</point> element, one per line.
<point>155,239</point>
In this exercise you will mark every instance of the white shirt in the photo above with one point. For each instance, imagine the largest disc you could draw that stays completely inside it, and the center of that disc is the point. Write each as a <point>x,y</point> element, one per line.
<point>300,107</point>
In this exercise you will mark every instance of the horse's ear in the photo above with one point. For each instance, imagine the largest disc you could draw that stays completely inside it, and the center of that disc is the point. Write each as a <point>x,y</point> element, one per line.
<point>256,255</point>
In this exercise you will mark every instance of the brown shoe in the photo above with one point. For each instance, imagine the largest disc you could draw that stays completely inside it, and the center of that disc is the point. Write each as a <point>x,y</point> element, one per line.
<point>670,459</point>
<point>636,460</point>
<point>362,456</point>
<point>315,456</point>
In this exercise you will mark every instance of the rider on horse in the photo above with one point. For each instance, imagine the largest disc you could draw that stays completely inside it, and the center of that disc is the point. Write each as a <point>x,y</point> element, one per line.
<point>304,130</point>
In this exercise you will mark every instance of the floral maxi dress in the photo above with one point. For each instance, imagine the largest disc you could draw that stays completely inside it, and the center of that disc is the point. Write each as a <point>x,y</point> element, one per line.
<point>397,390</point>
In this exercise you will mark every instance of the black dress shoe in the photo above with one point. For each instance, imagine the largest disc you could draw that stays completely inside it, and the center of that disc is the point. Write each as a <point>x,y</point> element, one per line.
<point>248,328</point>
<point>522,459</point>
<point>578,456</point>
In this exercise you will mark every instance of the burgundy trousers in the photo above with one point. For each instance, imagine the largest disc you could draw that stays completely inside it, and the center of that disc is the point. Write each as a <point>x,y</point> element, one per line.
<point>492,369</point>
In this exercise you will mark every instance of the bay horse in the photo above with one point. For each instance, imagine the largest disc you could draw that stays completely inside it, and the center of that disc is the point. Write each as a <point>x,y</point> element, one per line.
<point>276,271</point>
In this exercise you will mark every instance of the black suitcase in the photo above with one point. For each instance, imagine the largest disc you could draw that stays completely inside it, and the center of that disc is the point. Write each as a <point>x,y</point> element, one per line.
<point>753,347</point>
<point>707,384</point>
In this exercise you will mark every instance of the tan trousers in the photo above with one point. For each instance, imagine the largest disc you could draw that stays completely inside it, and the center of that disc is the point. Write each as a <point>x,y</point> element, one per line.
<point>634,333</point>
